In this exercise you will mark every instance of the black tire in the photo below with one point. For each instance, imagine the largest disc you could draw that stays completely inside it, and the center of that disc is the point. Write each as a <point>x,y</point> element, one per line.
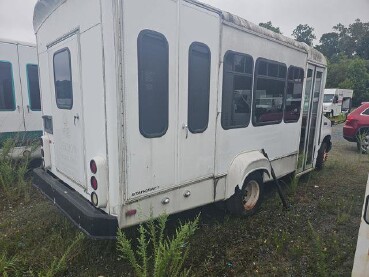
<point>247,201</point>
<point>321,156</point>
<point>361,148</point>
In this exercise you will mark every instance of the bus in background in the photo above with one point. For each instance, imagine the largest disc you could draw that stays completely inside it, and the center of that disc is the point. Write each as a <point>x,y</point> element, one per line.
<point>20,101</point>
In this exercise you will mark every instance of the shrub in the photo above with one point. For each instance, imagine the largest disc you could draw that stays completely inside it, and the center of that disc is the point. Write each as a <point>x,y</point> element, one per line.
<point>158,255</point>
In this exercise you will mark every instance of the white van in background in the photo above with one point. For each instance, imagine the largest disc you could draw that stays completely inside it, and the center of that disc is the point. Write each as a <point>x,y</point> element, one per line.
<point>20,103</point>
<point>163,106</point>
<point>337,101</point>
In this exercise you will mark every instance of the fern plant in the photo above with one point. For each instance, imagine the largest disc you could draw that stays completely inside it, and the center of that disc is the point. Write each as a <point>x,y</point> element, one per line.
<point>158,255</point>
<point>9,266</point>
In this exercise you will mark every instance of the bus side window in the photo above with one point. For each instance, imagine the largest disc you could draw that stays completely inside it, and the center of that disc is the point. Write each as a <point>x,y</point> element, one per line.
<point>7,97</point>
<point>269,90</point>
<point>293,99</point>
<point>237,87</point>
<point>153,83</point>
<point>198,87</point>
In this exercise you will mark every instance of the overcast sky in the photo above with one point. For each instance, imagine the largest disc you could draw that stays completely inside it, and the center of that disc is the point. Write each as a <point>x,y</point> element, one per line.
<point>322,15</point>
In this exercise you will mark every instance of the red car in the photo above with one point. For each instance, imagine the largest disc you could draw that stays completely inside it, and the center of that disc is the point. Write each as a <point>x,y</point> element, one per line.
<point>356,128</point>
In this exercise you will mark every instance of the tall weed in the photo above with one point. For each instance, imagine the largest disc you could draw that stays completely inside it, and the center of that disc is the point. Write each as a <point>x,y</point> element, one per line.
<point>9,266</point>
<point>157,254</point>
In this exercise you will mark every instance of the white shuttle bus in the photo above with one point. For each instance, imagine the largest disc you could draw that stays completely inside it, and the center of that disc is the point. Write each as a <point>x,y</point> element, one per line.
<point>166,105</point>
<point>20,106</point>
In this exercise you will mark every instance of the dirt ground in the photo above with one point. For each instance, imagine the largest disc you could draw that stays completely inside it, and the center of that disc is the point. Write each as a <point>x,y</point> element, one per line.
<point>316,237</point>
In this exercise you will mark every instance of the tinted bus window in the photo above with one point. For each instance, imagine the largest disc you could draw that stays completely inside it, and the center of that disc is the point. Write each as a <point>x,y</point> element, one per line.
<point>270,83</point>
<point>198,87</point>
<point>237,86</point>
<point>63,79</point>
<point>153,83</point>
<point>33,87</point>
<point>293,100</point>
<point>7,98</point>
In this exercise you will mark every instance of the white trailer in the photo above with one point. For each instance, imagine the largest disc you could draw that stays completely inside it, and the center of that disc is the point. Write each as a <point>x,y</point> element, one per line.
<point>337,101</point>
<point>20,106</point>
<point>163,106</point>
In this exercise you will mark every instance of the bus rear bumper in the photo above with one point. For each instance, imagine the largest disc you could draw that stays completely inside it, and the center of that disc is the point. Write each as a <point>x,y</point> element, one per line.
<point>92,221</point>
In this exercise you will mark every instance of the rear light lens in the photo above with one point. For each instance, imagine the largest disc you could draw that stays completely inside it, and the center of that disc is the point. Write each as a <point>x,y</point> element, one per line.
<point>94,182</point>
<point>93,166</point>
<point>94,199</point>
<point>131,212</point>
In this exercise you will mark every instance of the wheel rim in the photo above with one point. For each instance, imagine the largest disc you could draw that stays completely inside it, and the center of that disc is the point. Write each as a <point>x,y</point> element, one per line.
<point>251,195</point>
<point>325,156</point>
<point>365,143</point>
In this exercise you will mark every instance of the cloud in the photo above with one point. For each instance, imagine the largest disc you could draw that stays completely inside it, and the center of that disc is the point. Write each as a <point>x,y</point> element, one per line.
<point>16,20</point>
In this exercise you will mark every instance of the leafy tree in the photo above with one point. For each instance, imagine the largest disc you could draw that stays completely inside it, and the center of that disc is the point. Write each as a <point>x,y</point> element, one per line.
<point>350,74</point>
<point>304,33</point>
<point>329,44</point>
<point>270,26</point>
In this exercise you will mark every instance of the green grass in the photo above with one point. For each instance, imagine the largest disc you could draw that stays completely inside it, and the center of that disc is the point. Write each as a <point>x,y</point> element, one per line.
<point>316,237</point>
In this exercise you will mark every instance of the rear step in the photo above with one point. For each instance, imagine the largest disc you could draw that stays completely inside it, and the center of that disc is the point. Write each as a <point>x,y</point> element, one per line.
<point>93,222</point>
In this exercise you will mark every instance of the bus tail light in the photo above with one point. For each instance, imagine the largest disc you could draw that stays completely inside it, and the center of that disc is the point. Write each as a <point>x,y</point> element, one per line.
<point>93,166</point>
<point>94,182</point>
<point>45,151</point>
<point>99,181</point>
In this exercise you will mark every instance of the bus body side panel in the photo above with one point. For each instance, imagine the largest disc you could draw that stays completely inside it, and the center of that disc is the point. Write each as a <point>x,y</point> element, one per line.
<point>280,141</point>
<point>198,28</point>
<point>32,116</point>
<point>110,14</point>
<point>151,160</point>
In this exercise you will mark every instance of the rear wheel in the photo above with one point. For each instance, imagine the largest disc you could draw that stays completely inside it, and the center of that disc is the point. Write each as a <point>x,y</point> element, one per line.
<point>247,201</point>
<point>252,195</point>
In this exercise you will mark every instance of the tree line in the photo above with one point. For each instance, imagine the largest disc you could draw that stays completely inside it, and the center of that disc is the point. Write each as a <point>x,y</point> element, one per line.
<point>347,51</point>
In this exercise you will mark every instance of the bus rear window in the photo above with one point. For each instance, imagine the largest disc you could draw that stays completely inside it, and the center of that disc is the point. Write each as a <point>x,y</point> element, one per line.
<point>63,79</point>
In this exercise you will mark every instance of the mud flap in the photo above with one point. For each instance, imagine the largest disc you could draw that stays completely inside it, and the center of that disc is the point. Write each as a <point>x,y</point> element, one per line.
<point>232,203</point>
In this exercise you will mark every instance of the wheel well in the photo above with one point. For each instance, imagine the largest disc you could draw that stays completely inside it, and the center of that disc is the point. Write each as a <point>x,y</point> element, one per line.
<point>327,139</point>
<point>361,131</point>
<point>259,171</point>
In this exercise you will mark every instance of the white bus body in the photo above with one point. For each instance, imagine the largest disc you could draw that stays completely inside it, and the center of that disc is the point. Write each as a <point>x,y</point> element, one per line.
<point>20,107</point>
<point>337,101</point>
<point>361,261</point>
<point>156,98</point>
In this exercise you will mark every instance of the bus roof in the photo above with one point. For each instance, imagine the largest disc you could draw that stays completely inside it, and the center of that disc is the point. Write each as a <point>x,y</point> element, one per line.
<point>29,44</point>
<point>44,8</point>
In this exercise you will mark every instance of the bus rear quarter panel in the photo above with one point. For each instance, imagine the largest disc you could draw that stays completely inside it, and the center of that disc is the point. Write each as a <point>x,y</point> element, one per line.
<point>64,24</point>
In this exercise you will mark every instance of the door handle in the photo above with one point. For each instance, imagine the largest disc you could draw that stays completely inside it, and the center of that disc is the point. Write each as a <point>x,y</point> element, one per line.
<point>28,108</point>
<point>185,127</point>
<point>18,108</point>
<point>76,117</point>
